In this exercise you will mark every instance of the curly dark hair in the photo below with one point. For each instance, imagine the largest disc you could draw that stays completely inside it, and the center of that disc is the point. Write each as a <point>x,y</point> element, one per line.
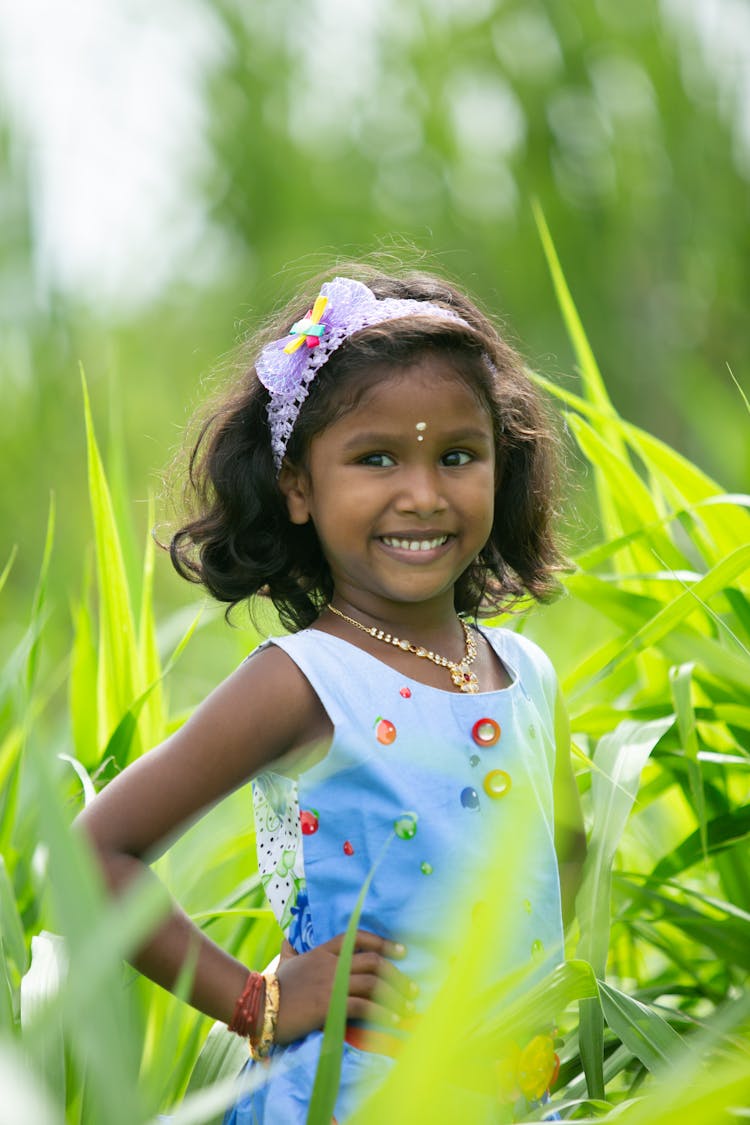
<point>240,541</point>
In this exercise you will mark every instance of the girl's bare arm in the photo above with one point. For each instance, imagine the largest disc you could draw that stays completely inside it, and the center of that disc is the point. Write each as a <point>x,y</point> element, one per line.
<point>264,710</point>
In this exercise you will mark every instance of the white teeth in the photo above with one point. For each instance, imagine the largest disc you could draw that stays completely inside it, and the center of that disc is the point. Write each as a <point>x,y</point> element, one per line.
<point>415,544</point>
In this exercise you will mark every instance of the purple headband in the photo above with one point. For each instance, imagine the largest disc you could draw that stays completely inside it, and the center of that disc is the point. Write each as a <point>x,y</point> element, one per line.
<point>287,367</point>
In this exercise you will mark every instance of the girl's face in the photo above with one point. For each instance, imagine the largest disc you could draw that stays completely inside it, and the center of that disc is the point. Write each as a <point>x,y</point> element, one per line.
<point>400,489</point>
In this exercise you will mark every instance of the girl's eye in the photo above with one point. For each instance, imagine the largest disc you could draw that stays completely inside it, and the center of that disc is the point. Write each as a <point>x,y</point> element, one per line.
<point>456,457</point>
<point>378,460</point>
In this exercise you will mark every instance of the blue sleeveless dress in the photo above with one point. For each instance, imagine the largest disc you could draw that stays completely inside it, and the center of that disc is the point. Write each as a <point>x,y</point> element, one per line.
<point>425,783</point>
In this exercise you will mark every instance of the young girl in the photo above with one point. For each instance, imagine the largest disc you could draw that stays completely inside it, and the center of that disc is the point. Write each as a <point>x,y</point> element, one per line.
<point>383,473</point>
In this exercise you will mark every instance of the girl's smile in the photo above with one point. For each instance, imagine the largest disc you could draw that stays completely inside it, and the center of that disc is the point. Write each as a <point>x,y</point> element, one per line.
<point>400,512</point>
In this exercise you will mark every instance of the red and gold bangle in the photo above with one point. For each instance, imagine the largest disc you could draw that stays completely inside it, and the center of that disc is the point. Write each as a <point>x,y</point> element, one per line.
<point>260,1047</point>
<point>244,1022</point>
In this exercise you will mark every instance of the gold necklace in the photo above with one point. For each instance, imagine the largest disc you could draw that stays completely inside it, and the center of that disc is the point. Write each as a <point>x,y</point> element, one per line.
<point>461,673</point>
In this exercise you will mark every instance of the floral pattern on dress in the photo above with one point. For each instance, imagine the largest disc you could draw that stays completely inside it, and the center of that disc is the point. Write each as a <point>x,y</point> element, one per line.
<point>279,843</point>
<point>301,934</point>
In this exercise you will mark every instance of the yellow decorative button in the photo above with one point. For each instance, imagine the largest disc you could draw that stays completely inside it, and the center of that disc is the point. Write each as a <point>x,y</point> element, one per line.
<point>497,783</point>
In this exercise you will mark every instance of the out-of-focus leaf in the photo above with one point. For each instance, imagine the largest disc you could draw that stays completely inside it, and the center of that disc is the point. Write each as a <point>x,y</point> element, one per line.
<point>8,567</point>
<point>7,1006</point>
<point>223,1056</point>
<point>24,1097</point>
<point>40,594</point>
<point>40,987</point>
<point>11,927</point>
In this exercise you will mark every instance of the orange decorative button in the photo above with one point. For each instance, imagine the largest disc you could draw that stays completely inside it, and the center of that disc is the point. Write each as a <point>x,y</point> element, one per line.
<point>385,731</point>
<point>497,783</point>
<point>485,732</point>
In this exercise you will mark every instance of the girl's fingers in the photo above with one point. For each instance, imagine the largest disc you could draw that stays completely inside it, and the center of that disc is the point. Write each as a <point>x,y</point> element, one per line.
<point>366,942</point>
<point>359,1008</point>
<point>380,969</point>
<point>366,987</point>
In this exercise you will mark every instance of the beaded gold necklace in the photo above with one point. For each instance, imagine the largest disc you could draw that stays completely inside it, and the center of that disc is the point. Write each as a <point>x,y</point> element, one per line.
<point>460,671</point>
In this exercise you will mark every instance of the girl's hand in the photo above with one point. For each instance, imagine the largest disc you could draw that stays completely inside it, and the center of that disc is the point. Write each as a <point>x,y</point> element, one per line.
<point>377,990</point>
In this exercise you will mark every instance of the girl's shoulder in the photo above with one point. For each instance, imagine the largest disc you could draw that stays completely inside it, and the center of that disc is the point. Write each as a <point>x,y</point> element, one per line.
<point>524,656</point>
<point>280,690</point>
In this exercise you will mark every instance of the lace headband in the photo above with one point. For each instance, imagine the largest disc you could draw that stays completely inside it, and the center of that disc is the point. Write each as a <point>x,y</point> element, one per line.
<point>287,367</point>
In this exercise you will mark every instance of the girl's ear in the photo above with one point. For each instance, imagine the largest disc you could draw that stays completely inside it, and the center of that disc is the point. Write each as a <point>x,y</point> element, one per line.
<point>295,485</point>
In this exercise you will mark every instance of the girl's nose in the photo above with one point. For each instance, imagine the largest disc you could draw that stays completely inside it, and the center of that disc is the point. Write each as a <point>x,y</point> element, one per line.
<point>420,491</point>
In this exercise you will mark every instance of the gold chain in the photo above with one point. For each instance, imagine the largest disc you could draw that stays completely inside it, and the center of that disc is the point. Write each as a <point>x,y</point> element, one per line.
<point>461,673</point>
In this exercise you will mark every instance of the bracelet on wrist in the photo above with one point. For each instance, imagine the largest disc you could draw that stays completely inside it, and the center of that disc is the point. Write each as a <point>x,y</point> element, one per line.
<point>247,1010</point>
<point>260,1046</point>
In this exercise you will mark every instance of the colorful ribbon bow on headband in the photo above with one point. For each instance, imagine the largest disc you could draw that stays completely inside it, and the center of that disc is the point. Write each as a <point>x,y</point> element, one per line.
<point>343,307</point>
<point>308,330</point>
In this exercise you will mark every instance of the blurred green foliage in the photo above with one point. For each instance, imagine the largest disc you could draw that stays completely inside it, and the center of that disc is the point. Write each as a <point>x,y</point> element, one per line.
<point>423,129</point>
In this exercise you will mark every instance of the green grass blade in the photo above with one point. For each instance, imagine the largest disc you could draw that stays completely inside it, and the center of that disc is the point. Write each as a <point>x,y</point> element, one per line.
<point>10,751</point>
<point>8,566</point>
<point>183,641</point>
<point>204,1107</point>
<point>619,760</point>
<point>614,654</point>
<point>701,1086</point>
<point>223,1056</point>
<point>727,936</point>
<point>40,988</point>
<point>722,832</point>
<point>82,684</point>
<point>325,1088</point>
<point>681,482</point>
<point>117,646</point>
<point>40,595</point>
<point>152,718</point>
<point>680,681</point>
<point>593,383</point>
<point>631,499</point>
<point>87,785</point>
<point>539,1005</point>
<point>99,934</point>
<point>11,927</point>
<point>8,1026</point>
<point>23,1094</point>
<point>642,1030</point>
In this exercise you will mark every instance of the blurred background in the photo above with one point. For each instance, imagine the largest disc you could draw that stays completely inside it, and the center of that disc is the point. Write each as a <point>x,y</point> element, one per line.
<point>168,172</point>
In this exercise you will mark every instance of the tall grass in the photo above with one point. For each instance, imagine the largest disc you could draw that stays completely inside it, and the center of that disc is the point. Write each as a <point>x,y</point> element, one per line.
<point>652,1008</point>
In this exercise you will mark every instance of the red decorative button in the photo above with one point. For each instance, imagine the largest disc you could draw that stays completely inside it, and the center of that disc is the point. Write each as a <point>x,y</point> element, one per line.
<point>485,732</point>
<point>308,822</point>
<point>385,731</point>
<point>405,693</point>
<point>348,848</point>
